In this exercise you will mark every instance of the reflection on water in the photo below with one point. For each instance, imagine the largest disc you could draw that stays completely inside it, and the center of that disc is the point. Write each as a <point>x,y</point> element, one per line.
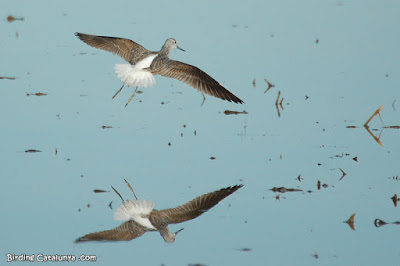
<point>140,216</point>
<point>11,18</point>
<point>331,71</point>
<point>229,112</point>
<point>350,221</point>
<point>284,190</point>
<point>377,138</point>
<point>379,223</point>
<point>395,200</point>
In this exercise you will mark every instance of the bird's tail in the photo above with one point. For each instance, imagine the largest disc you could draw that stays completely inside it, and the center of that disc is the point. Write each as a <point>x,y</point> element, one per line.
<point>132,76</point>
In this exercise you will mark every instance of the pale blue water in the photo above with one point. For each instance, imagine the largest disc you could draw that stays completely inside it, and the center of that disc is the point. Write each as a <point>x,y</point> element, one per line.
<point>347,75</point>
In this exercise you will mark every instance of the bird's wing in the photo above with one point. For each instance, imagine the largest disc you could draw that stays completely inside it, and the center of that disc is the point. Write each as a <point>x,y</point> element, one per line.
<point>198,79</point>
<point>120,46</point>
<point>126,231</point>
<point>195,207</point>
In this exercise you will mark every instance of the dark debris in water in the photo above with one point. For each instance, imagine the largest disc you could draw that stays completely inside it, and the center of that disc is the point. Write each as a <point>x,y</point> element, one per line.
<point>12,78</point>
<point>284,190</point>
<point>105,127</point>
<point>100,191</point>
<point>395,199</point>
<point>36,94</point>
<point>212,158</point>
<point>244,249</point>
<point>11,18</point>
<point>32,151</point>
<point>229,112</point>
<point>340,155</point>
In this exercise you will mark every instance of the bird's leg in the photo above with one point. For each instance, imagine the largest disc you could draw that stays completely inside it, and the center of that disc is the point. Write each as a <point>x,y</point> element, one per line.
<point>133,95</point>
<point>118,91</point>
<point>204,99</point>
<point>130,187</point>
<point>118,193</point>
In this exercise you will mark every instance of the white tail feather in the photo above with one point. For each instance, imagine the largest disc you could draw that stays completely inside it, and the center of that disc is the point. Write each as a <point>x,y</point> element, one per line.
<point>136,75</point>
<point>137,210</point>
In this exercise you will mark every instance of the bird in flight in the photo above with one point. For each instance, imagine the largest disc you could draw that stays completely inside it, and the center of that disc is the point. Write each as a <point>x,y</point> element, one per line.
<point>141,217</point>
<point>144,63</point>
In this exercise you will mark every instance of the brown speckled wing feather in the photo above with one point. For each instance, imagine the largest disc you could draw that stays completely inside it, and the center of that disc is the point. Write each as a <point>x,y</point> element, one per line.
<point>126,231</point>
<point>120,46</point>
<point>198,79</point>
<point>197,206</point>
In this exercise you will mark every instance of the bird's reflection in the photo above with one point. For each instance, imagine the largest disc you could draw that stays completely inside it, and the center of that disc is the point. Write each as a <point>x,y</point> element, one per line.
<point>140,217</point>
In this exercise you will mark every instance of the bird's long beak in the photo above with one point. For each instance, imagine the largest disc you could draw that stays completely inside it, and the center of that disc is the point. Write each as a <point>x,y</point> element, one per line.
<point>180,48</point>
<point>178,231</point>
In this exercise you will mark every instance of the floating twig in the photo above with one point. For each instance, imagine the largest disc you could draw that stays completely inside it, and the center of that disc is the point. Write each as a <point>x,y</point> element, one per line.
<point>377,139</point>
<point>12,78</point>
<point>377,112</point>
<point>277,99</point>
<point>350,221</point>
<point>269,85</point>
<point>277,104</point>
<point>343,172</point>
<point>254,83</point>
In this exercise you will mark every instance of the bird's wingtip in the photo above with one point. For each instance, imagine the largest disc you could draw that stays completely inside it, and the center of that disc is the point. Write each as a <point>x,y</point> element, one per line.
<point>79,240</point>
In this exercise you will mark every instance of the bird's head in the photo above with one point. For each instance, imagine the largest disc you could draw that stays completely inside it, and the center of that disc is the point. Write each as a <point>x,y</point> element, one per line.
<point>171,44</point>
<point>171,236</point>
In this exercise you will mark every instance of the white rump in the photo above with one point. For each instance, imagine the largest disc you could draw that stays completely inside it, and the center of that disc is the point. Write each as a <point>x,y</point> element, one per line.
<point>136,75</point>
<point>137,210</point>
